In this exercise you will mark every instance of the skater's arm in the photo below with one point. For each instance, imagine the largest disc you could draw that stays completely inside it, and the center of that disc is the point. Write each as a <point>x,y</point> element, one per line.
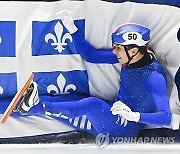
<point>162,117</point>
<point>90,54</point>
<point>87,51</point>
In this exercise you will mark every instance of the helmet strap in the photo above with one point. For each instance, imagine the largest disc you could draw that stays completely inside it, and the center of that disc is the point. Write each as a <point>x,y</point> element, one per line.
<point>129,57</point>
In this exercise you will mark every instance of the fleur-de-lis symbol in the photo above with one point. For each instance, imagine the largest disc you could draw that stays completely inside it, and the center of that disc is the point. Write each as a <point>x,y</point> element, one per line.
<point>58,40</point>
<point>0,40</point>
<point>61,89</point>
<point>1,90</point>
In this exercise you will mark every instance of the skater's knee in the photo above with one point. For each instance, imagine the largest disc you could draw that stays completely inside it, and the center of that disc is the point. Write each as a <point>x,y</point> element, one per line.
<point>94,104</point>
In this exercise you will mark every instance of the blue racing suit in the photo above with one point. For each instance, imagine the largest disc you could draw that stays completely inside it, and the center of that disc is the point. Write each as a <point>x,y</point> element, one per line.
<point>142,88</point>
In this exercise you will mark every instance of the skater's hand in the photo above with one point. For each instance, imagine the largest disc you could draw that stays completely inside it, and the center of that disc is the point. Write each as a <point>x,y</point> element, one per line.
<point>67,21</point>
<point>119,108</point>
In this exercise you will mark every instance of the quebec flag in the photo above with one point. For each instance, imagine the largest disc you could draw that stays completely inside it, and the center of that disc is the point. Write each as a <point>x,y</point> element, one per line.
<point>8,81</point>
<point>7,38</point>
<point>51,38</point>
<point>56,83</point>
<point>8,85</point>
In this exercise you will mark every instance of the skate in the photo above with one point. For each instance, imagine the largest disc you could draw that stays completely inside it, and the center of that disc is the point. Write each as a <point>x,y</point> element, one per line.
<point>29,100</point>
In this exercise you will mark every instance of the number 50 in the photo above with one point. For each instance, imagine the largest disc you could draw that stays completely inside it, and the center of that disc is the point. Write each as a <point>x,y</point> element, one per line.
<point>132,36</point>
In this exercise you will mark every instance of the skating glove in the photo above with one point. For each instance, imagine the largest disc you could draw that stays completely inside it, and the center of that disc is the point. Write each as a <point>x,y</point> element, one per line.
<point>119,108</point>
<point>67,21</point>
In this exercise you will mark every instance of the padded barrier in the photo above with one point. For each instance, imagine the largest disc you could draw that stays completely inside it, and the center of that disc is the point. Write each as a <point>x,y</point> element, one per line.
<point>25,47</point>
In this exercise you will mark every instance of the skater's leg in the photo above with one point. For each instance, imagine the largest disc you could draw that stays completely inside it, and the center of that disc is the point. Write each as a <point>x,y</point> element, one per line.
<point>96,110</point>
<point>73,109</point>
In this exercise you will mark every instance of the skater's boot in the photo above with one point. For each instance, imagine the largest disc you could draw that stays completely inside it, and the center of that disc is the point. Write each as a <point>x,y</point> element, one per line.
<point>29,100</point>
